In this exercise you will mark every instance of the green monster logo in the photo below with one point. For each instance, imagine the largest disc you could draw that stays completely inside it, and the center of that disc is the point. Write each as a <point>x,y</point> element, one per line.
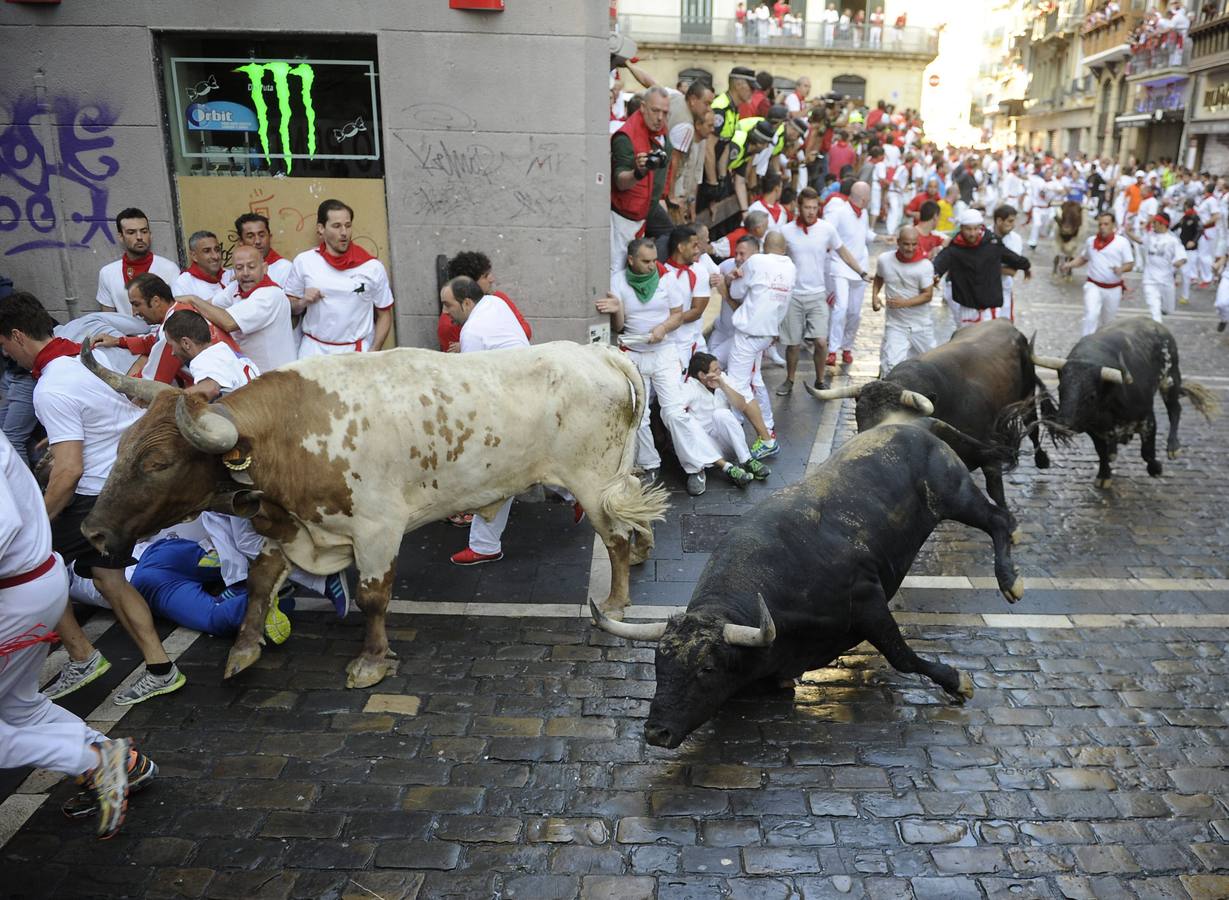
<point>280,72</point>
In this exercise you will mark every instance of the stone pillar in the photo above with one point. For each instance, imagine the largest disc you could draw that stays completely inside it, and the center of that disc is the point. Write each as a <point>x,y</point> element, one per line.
<point>1107,136</point>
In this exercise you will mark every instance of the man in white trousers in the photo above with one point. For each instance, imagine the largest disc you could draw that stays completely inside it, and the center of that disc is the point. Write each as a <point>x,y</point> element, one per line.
<point>852,224</point>
<point>1164,257</point>
<point>1208,210</point>
<point>1109,257</point>
<point>907,279</point>
<point>33,730</point>
<point>647,305</point>
<point>762,290</point>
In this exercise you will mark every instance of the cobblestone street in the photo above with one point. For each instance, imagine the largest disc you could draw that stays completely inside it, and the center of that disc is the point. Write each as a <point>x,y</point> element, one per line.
<point>505,757</point>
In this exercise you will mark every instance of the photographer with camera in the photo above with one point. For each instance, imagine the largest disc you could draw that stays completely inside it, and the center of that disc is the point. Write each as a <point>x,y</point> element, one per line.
<point>640,157</point>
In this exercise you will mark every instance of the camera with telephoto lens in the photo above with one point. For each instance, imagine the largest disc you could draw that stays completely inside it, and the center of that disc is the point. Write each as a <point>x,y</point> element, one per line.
<point>656,159</point>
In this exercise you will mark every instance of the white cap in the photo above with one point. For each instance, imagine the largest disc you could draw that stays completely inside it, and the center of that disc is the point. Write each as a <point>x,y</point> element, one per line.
<point>972,217</point>
<point>1141,174</point>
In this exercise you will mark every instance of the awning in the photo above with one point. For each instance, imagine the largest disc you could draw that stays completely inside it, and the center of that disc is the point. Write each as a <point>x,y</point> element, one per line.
<point>1107,56</point>
<point>1135,120</point>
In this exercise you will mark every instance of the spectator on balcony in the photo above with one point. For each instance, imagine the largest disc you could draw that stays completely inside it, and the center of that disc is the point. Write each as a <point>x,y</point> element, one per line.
<point>830,18</point>
<point>898,29</point>
<point>763,22</point>
<point>843,25</point>
<point>740,23</point>
<point>859,27</point>
<point>876,32</point>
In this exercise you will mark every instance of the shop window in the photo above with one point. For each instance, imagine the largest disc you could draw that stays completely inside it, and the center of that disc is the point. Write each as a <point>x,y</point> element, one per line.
<point>302,107</point>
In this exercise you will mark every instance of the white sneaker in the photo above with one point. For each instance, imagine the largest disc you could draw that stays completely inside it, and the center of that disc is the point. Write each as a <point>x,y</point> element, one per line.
<point>151,685</point>
<point>76,675</point>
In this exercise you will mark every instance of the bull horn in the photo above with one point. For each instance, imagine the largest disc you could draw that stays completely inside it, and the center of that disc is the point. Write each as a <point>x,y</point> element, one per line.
<point>1049,362</point>
<point>207,431</point>
<point>649,631</point>
<point>917,401</point>
<point>139,390</point>
<point>1114,376</point>
<point>746,636</point>
<point>850,390</point>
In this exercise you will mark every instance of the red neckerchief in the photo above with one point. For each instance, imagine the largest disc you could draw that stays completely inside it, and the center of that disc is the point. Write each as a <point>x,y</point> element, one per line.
<point>803,225</point>
<point>197,272</point>
<point>264,282</point>
<point>774,210</point>
<point>135,267</point>
<point>1100,243</point>
<point>691,275</point>
<point>271,257</point>
<point>354,256</point>
<point>56,347</point>
<point>959,240</point>
<point>917,256</point>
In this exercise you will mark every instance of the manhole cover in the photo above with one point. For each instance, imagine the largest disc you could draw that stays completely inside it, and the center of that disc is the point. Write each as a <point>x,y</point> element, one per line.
<point>701,534</point>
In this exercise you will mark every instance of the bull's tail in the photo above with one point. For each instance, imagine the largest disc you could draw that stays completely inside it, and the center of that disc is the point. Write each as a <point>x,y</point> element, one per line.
<point>977,453</point>
<point>1202,399</point>
<point>624,499</point>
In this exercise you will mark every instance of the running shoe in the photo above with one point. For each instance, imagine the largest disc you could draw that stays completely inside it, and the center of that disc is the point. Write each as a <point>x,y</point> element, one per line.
<point>76,675</point>
<point>846,357</point>
<point>785,388</point>
<point>84,803</point>
<point>108,781</point>
<point>697,484</point>
<point>738,475</point>
<point>758,470</point>
<point>832,359</point>
<point>277,623</point>
<point>337,589</point>
<point>150,685</point>
<point>468,557</point>
<point>762,449</point>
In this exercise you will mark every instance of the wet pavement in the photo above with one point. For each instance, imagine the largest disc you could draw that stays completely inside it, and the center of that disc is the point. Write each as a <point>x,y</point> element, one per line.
<point>505,759</point>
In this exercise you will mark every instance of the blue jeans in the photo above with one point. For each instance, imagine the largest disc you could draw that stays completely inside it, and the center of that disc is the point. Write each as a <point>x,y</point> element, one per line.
<point>17,419</point>
<point>173,575</point>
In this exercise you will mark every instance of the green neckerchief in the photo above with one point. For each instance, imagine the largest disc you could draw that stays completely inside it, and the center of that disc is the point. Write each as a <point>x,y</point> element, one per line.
<point>644,286</point>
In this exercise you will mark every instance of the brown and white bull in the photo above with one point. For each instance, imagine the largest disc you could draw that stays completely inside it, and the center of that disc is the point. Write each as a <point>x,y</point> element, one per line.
<point>334,458</point>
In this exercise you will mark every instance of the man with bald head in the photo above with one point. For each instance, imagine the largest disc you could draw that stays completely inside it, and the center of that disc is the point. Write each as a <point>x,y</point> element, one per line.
<point>254,310</point>
<point>850,218</point>
<point>796,100</point>
<point>906,278</point>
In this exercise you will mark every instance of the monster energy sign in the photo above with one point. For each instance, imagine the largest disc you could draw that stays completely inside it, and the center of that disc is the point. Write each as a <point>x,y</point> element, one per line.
<point>245,115</point>
<point>281,84</point>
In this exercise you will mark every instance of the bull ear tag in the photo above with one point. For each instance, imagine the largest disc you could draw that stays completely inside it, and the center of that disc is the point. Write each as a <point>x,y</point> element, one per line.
<point>237,463</point>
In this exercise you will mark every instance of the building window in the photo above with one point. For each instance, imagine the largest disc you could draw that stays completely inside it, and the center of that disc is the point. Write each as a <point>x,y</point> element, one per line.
<point>301,107</point>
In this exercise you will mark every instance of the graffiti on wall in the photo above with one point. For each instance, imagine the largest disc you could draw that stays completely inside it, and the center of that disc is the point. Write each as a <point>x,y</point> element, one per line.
<point>54,173</point>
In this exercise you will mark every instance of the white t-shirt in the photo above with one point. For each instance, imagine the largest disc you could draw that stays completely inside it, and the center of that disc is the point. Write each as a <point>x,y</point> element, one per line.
<point>265,334</point>
<point>641,318</point>
<point>723,328</point>
<point>75,405</point>
<point>344,314</point>
<point>891,154</point>
<point>187,283</point>
<point>25,532</point>
<point>854,231</point>
<point>1101,263</point>
<point>809,250</point>
<point>1206,208</point>
<point>766,285</point>
<point>903,280</point>
<point>1161,252</point>
<point>690,333</point>
<point>492,326</point>
<point>701,402</point>
<point>1015,244</point>
<point>113,287</point>
<point>230,370</point>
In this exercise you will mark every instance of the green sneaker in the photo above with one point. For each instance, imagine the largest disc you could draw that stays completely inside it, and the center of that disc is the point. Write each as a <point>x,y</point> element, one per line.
<point>277,623</point>
<point>762,449</point>
<point>757,469</point>
<point>77,675</point>
<point>151,685</point>
<point>738,475</point>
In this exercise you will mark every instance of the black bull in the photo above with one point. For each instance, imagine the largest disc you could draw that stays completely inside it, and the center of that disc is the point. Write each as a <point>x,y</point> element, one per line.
<point>981,382</point>
<point>824,557</point>
<point>1107,385</point>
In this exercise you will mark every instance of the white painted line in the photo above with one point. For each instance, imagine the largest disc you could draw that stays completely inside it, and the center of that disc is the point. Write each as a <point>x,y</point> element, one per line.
<point>14,812</point>
<point>1007,620</point>
<point>980,583</point>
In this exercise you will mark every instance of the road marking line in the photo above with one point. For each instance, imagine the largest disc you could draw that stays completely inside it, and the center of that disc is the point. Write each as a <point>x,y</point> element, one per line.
<point>1042,583</point>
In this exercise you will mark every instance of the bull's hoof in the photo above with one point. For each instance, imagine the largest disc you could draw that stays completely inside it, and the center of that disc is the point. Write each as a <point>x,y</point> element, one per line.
<point>613,608</point>
<point>964,693</point>
<point>1103,483</point>
<point>239,659</point>
<point>1041,459</point>
<point>1016,591</point>
<point>1154,468</point>
<point>363,672</point>
<point>1017,537</point>
<point>1174,452</point>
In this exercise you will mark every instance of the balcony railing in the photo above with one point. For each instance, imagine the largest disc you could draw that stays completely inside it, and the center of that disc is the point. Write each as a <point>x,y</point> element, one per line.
<point>1112,33</point>
<point>808,35</point>
<point>1167,56</point>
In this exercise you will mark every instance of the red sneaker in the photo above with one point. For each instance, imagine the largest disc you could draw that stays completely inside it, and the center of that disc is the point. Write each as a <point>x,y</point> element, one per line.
<point>578,513</point>
<point>468,557</point>
<point>846,357</point>
<point>832,359</point>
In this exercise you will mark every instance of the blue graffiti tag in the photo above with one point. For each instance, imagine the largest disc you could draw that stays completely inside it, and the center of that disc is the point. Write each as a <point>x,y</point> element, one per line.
<point>27,167</point>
